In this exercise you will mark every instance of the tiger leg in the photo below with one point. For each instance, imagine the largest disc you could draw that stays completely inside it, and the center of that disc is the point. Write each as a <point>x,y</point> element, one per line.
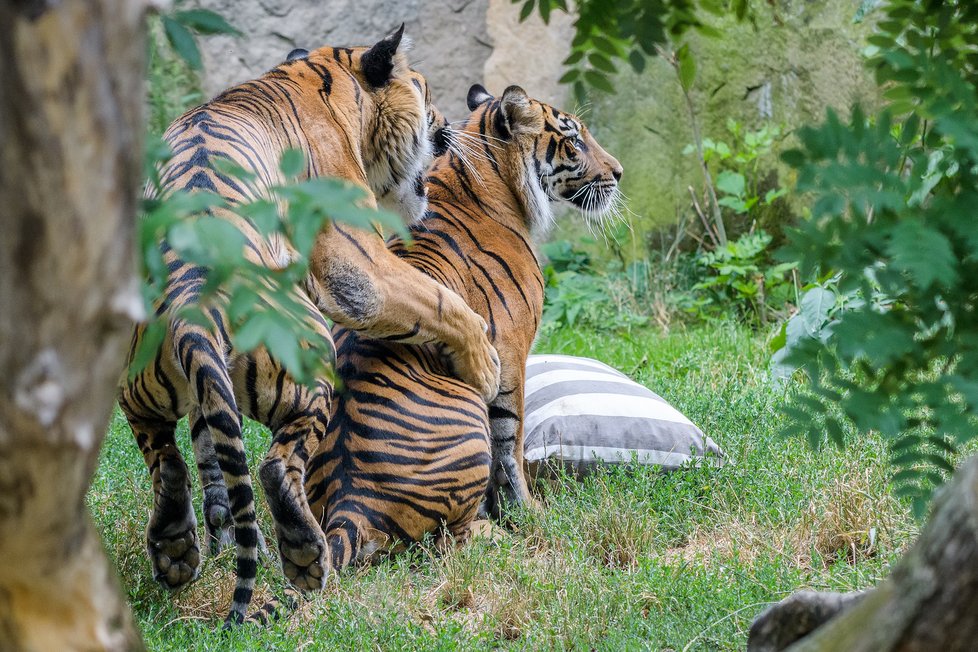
<point>301,544</point>
<point>171,535</point>
<point>217,506</point>
<point>344,539</point>
<point>201,355</point>
<point>507,480</point>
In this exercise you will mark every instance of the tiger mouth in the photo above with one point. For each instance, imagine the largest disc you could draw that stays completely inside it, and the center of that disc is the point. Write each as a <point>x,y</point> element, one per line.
<point>594,197</point>
<point>442,140</point>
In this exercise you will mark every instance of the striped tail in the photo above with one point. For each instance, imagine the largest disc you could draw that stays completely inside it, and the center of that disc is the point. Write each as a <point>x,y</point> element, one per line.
<point>203,362</point>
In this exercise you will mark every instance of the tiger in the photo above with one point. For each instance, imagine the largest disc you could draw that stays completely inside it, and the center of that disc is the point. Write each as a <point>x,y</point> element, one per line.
<point>357,113</point>
<point>410,450</point>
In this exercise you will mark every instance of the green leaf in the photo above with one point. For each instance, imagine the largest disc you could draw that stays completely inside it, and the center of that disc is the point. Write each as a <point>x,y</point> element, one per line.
<point>735,203</point>
<point>232,168</point>
<point>263,214</point>
<point>205,21</point>
<point>604,44</point>
<point>570,76</point>
<point>778,341</point>
<point>574,57</point>
<point>526,10</point>
<point>816,304</point>
<point>731,183</point>
<point>601,62</point>
<point>922,252</point>
<point>149,345</point>
<point>292,163</point>
<point>598,80</point>
<point>182,42</point>
<point>637,61</point>
<point>687,67</point>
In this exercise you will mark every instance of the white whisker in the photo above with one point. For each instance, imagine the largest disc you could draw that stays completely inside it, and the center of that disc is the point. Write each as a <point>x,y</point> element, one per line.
<point>480,139</point>
<point>458,150</point>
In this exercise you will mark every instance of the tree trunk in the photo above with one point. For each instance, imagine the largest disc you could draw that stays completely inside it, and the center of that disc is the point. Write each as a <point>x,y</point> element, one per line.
<point>930,602</point>
<point>71,101</point>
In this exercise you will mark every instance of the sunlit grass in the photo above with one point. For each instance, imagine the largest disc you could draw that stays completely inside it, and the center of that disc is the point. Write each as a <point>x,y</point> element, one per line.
<point>629,559</point>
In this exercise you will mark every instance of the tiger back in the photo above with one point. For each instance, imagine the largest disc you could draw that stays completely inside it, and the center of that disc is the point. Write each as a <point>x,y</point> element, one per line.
<point>409,449</point>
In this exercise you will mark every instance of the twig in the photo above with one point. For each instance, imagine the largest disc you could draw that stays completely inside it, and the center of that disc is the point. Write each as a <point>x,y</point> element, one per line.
<point>706,223</point>
<point>680,234</point>
<point>721,232</point>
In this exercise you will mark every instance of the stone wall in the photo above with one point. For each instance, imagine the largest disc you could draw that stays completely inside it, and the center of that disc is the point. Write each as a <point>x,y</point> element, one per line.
<point>442,30</point>
<point>796,59</point>
<point>457,43</point>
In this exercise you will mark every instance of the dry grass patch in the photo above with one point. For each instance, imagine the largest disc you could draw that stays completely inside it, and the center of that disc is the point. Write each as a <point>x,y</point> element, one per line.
<point>484,590</point>
<point>851,520</point>
<point>744,539</point>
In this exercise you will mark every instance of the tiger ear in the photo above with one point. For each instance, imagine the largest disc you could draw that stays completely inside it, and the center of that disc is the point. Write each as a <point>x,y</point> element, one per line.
<point>516,114</point>
<point>477,95</point>
<point>298,53</point>
<point>377,63</point>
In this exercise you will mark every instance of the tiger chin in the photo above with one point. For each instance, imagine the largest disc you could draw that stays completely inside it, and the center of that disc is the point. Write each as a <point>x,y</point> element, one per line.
<point>410,449</point>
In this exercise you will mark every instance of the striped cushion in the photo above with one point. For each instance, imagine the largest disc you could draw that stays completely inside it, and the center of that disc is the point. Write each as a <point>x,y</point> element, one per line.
<point>582,413</point>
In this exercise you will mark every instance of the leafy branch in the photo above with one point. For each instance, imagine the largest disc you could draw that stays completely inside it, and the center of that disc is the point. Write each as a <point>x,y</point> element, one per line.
<point>608,33</point>
<point>893,218</point>
<point>263,304</point>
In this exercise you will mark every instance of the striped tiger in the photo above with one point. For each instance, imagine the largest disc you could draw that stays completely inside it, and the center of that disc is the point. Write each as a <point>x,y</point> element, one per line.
<point>410,449</point>
<point>356,113</point>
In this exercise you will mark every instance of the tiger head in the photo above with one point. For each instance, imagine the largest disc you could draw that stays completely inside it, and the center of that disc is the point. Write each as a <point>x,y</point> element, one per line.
<point>396,118</point>
<point>397,130</point>
<point>552,152</point>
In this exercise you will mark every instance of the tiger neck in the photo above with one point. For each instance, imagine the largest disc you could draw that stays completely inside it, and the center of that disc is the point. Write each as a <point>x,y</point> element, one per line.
<point>512,197</point>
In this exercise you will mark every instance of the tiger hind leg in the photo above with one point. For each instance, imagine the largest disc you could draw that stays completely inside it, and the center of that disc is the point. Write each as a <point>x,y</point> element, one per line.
<point>507,482</point>
<point>301,543</point>
<point>204,364</point>
<point>171,535</point>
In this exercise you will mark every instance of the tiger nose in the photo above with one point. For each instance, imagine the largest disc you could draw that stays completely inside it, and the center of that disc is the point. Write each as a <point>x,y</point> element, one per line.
<point>616,172</point>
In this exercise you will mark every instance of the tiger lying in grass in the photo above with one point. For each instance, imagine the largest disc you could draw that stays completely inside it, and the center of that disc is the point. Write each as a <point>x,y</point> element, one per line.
<point>410,449</point>
<point>356,113</point>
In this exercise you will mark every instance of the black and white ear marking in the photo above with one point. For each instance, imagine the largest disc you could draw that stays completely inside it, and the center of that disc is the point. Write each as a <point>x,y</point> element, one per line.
<point>298,53</point>
<point>377,63</point>
<point>515,113</point>
<point>477,96</point>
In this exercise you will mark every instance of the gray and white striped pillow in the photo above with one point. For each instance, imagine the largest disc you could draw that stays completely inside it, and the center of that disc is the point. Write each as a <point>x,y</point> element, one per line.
<point>582,413</point>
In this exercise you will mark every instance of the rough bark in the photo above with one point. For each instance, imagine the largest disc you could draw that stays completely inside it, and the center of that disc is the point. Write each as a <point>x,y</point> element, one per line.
<point>71,100</point>
<point>930,602</point>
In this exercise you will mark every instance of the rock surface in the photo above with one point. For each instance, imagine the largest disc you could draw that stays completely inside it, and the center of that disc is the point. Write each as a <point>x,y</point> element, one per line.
<point>442,31</point>
<point>798,58</point>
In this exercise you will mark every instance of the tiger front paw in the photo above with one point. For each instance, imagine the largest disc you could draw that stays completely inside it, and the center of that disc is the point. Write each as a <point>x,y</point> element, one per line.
<point>171,536</point>
<point>304,560</point>
<point>476,363</point>
<point>507,489</point>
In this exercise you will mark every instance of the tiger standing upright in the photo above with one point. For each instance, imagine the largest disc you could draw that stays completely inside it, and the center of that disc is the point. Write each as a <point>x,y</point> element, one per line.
<point>359,114</point>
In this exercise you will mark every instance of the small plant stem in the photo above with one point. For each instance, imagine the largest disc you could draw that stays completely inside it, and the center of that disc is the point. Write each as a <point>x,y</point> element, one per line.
<point>680,234</point>
<point>721,232</point>
<point>706,223</point>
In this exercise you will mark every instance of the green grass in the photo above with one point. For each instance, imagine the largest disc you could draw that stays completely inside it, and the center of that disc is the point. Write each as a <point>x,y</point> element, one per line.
<point>629,559</point>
